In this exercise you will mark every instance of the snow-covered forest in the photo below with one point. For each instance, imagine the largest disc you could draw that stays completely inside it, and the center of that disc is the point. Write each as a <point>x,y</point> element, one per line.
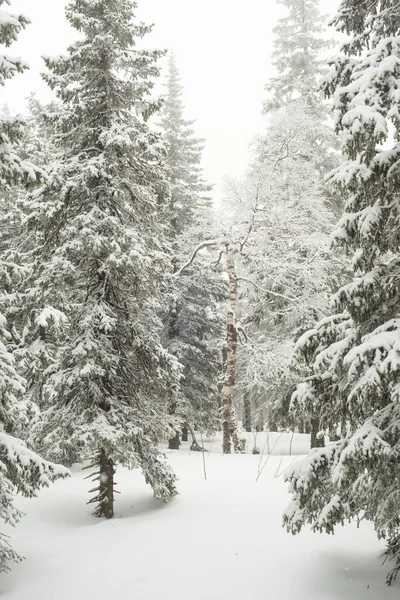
<point>237,350</point>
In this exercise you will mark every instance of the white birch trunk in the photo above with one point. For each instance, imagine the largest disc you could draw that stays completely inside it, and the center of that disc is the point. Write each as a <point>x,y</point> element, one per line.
<point>229,426</point>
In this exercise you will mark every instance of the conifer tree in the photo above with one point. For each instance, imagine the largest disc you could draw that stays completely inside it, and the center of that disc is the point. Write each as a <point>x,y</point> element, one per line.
<point>102,262</point>
<point>21,470</point>
<point>194,327</point>
<point>353,356</point>
<point>297,51</point>
<point>190,200</point>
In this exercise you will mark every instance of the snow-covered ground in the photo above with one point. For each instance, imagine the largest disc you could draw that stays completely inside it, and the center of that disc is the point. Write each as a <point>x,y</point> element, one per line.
<point>220,539</point>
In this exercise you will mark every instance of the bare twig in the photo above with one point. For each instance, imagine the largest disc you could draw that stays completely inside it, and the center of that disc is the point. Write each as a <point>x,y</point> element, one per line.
<point>277,474</point>
<point>260,470</point>
<point>203,453</point>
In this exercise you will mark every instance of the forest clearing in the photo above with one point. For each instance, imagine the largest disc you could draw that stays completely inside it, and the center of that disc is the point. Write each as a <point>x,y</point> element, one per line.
<point>220,538</point>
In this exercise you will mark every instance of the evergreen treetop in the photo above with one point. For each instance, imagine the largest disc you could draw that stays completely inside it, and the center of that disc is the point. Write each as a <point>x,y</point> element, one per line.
<point>298,45</point>
<point>189,201</point>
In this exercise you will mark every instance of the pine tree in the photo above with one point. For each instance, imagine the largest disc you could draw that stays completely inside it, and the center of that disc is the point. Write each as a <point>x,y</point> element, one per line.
<point>21,470</point>
<point>353,356</point>
<point>298,45</point>
<point>194,327</point>
<point>101,260</point>
<point>190,199</point>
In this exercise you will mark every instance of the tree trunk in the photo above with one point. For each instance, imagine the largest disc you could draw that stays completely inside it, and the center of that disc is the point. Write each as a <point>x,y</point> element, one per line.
<point>260,420</point>
<point>229,428</point>
<point>174,442</point>
<point>106,486</point>
<point>333,435</point>
<point>195,445</point>
<point>246,412</point>
<point>316,442</point>
<point>185,433</point>
<point>173,332</point>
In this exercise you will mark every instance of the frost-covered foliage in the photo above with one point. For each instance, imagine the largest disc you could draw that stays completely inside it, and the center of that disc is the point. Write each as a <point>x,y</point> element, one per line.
<point>12,169</point>
<point>194,328</point>
<point>21,470</point>
<point>101,259</point>
<point>15,169</point>
<point>189,192</point>
<point>299,42</point>
<point>286,263</point>
<point>291,209</point>
<point>353,357</point>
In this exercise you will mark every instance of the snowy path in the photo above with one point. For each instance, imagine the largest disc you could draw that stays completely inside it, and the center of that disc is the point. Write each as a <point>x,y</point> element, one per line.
<point>220,539</point>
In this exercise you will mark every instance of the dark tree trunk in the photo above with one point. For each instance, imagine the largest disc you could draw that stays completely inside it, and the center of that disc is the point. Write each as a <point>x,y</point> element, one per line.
<point>106,486</point>
<point>195,445</point>
<point>174,442</point>
<point>316,442</point>
<point>273,426</point>
<point>173,333</point>
<point>333,436</point>
<point>246,412</point>
<point>260,420</point>
<point>185,433</point>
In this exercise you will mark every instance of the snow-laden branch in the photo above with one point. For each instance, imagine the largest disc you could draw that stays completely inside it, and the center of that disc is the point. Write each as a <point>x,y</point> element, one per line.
<point>265,291</point>
<point>201,246</point>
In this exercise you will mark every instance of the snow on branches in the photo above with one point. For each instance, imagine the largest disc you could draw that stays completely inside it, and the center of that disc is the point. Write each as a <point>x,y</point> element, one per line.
<point>353,359</point>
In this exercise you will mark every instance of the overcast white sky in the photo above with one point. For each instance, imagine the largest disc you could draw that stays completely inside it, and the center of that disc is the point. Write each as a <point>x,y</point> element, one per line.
<point>223,48</point>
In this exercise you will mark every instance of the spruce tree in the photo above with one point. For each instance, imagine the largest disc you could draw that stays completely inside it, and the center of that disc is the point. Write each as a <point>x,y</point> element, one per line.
<point>101,257</point>
<point>21,470</point>
<point>193,325</point>
<point>298,45</point>
<point>190,199</point>
<point>353,356</point>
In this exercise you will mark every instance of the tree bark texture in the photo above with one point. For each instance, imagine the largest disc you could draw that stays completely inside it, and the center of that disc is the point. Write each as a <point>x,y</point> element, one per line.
<point>174,442</point>
<point>316,442</point>
<point>185,433</point>
<point>173,332</point>
<point>229,427</point>
<point>246,412</point>
<point>106,486</point>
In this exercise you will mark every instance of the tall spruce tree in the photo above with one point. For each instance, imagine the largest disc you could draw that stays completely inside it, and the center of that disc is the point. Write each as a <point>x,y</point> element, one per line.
<point>298,44</point>
<point>354,356</point>
<point>190,199</point>
<point>194,327</point>
<point>101,256</point>
<point>21,470</point>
